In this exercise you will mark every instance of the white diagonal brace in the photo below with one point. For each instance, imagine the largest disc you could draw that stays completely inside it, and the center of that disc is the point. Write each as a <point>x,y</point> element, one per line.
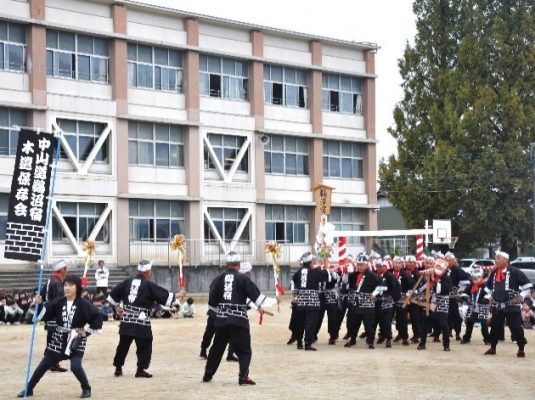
<point>239,231</point>
<point>70,155</point>
<point>100,223</point>
<point>213,228</point>
<point>91,157</point>
<point>237,161</point>
<point>66,229</point>
<point>213,156</point>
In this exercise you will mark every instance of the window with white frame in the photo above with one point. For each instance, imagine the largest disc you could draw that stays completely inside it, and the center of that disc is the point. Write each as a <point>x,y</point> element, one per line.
<point>161,145</point>
<point>226,148</point>
<point>76,56</point>
<point>286,155</point>
<point>81,219</point>
<point>9,135</point>
<point>226,221</point>
<point>348,219</point>
<point>342,159</point>
<point>285,86</point>
<point>288,224</point>
<point>155,220</point>
<point>342,93</point>
<point>12,46</point>
<point>4,204</point>
<point>155,68</point>
<point>82,137</point>
<point>226,78</point>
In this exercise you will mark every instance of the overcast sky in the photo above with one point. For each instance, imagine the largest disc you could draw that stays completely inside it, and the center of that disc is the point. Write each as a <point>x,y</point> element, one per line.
<point>388,23</point>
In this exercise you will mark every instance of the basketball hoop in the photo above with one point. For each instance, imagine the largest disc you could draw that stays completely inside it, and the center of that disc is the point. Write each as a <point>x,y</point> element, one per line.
<point>453,242</point>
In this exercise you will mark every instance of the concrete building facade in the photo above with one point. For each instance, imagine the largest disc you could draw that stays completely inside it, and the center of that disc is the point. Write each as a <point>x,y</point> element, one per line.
<point>173,122</point>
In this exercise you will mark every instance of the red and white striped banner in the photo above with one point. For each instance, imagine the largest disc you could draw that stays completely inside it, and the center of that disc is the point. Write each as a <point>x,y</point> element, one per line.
<point>419,247</point>
<point>342,251</point>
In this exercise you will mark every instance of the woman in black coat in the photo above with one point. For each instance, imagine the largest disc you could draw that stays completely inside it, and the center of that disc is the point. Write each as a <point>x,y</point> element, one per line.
<point>71,313</point>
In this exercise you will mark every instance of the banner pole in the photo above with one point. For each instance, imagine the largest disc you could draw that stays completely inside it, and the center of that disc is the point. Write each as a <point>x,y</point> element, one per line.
<point>44,255</point>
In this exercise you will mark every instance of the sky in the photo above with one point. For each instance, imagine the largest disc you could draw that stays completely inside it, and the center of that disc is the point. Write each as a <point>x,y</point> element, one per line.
<point>388,23</point>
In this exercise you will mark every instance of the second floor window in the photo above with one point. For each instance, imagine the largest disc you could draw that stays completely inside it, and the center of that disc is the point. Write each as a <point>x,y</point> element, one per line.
<point>342,93</point>
<point>155,68</point>
<point>223,77</point>
<point>285,86</point>
<point>227,222</point>
<point>287,223</point>
<point>226,148</point>
<point>81,219</point>
<point>75,56</point>
<point>348,219</point>
<point>12,46</point>
<point>9,135</point>
<point>82,137</point>
<point>342,159</point>
<point>155,220</point>
<point>286,155</point>
<point>155,144</point>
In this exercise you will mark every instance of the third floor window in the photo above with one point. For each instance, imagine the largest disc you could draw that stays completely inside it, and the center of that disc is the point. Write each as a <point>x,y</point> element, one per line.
<point>286,155</point>
<point>342,93</point>
<point>75,56</point>
<point>285,86</point>
<point>155,68</point>
<point>223,77</point>
<point>12,46</point>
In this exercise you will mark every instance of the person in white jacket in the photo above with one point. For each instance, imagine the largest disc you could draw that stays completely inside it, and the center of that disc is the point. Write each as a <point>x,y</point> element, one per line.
<point>102,275</point>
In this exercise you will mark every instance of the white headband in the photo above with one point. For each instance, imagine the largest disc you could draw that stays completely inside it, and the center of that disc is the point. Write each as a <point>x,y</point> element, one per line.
<point>144,266</point>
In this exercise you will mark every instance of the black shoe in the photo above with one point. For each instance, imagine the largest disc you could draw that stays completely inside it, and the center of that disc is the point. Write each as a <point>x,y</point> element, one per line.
<point>232,357</point>
<point>85,393</point>
<point>29,393</point>
<point>246,381</point>
<point>118,371</point>
<point>58,368</point>
<point>141,373</point>
<point>206,378</point>
<point>291,340</point>
<point>352,342</point>
<point>346,336</point>
<point>299,346</point>
<point>397,339</point>
<point>465,341</point>
<point>381,340</point>
<point>203,354</point>
<point>447,349</point>
<point>310,348</point>
<point>421,346</point>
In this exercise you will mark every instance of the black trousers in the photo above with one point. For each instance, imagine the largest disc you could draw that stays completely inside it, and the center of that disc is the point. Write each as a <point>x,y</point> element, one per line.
<point>48,361</point>
<point>384,319</point>
<point>143,351</point>
<point>342,309</point>
<point>240,340</point>
<point>454,317</point>
<point>209,333</point>
<point>514,321</point>
<point>292,326</point>
<point>470,326</point>
<point>332,320</point>
<point>415,313</point>
<point>356,319</point>
<point>442,319</point>
<point>321,315</point>
<point>402,321</point>
<point>306,324</point>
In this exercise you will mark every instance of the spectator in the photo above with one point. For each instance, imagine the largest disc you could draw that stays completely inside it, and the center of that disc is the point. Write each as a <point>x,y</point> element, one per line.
<point>528,316</point>
<point>188,309</point>
<point>2,311</point>
<point>101,277</point>
<point>13,312</point>
<point>107,311</point>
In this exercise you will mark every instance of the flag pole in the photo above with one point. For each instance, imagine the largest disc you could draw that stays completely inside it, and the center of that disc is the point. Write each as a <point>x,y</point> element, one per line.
<point>44,255</point>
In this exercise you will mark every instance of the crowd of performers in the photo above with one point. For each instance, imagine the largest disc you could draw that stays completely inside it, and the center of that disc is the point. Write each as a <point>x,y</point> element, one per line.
<point>375,292</point>
<point>367,291</point>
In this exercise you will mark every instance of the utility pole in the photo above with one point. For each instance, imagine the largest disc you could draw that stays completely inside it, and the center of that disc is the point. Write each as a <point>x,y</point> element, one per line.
<point>532,159</point>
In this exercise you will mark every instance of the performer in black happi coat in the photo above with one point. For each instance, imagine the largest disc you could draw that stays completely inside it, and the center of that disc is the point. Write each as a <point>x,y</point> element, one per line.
<point>478,307</point>
<point>388,293</point>
<point>406,283</point>
<point>71,313</point>
<point>138,295</point>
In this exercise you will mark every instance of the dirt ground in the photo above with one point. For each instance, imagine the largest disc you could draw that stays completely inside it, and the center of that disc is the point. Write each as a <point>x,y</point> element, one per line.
<point>281,371</point>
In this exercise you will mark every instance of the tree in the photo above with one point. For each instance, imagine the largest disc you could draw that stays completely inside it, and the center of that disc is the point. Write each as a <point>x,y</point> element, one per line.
<point>466,121</point>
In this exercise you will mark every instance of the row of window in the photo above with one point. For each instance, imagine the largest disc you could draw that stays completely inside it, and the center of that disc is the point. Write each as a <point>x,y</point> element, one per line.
<point>159,220</point>
<point>163,145</point>
<point>82,57</point>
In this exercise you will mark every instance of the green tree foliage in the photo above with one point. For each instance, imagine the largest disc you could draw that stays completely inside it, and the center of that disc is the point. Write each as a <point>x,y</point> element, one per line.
<point>466,121</point>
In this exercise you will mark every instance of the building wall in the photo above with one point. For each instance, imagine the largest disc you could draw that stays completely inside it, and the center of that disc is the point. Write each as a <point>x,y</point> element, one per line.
<point>115,104</point>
